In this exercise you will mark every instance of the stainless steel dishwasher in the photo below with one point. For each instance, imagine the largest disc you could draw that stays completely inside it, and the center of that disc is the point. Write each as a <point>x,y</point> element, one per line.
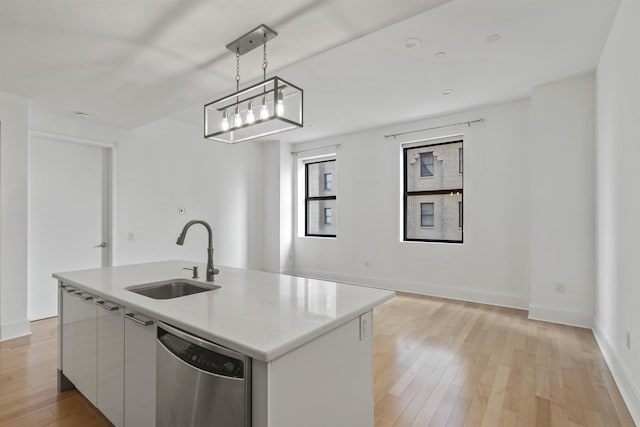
<point>200,383</point>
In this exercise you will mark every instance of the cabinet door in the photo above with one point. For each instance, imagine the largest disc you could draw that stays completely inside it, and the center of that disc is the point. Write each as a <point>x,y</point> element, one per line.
<point>110,367</point>
<point>79,341</point>
<point>139,370</point>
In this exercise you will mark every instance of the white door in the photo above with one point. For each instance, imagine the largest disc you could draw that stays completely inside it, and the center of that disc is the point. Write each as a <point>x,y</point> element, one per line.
<point>68,216</point>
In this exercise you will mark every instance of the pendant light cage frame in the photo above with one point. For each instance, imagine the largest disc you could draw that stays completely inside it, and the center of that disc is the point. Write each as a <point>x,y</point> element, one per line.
<point>266,95</point>
<point>266,108</point>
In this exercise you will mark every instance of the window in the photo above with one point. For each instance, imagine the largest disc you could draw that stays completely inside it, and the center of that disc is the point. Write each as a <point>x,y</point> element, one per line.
<point>433,207</point>
<point>426,164</point>
<point>320,198</point>
<point>328,216</point>
<point>426,214</point>
<point>328,181</point>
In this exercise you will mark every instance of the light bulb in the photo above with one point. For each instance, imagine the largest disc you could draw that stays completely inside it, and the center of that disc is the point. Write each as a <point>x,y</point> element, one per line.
<point>249,118</point>
<point>237,120</point>
<point>264,111</point>
<point>280,104</point>
<point>225,121</point>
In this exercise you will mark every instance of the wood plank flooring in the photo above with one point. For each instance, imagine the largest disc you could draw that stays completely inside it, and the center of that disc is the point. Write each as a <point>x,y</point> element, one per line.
<point>28,395</point>
<point>441,363</point>
<point>437,363</point>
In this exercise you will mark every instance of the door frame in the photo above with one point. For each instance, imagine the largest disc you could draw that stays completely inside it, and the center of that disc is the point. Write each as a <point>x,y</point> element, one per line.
<point>111,151</point>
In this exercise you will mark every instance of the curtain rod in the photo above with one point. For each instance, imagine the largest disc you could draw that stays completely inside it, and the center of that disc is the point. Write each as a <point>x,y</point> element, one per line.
<point>394,135</point>
<point>316,148</point>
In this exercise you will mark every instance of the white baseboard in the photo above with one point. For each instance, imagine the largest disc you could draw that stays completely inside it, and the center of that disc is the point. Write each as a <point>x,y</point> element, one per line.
<point>630,393</point>
<point>463,294</point>
<point>14,330</point>
<point>571,318</point>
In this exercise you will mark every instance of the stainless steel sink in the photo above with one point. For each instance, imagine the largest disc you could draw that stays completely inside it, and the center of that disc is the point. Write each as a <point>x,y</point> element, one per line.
<point>169,289</point>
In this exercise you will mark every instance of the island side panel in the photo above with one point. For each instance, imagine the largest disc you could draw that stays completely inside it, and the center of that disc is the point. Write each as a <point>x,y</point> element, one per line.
<point>259,393</point>
<point>60,290</point>
<point>63,382</point>
<point>326,382</point>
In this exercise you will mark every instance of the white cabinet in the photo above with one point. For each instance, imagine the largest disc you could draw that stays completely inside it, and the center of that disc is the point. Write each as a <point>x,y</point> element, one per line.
<point>325,382</point>
<point>139,370</point>
<point>79,341</point>
<point>110,363</point>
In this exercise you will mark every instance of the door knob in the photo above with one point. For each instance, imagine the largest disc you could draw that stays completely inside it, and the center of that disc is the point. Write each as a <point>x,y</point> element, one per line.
<point>101,245</point>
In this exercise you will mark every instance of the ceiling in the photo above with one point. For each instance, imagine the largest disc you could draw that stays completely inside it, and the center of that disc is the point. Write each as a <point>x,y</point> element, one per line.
<point>128,63</point>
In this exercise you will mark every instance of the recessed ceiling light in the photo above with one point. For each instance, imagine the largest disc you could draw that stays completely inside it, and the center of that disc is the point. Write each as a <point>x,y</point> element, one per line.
<point>440,55</point>
<point>412,43</point>
<point>81,114</point>
<point>447,92</point>
<point>493,38</point>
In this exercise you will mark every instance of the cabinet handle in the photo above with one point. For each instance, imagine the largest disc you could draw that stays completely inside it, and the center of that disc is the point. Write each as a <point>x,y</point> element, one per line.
<point>82,296</point>
<point>71,290</point>
<point>133,317</point>
<point>107,307</point>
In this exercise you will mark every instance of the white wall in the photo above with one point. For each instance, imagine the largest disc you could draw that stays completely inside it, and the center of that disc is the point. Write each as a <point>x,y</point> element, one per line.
<point>618,205</point>
<point>167,165</point>
<point>277,199</point>
<point>13,216</point>
<point>562,171</point>
<point>75,127</point>
<point>493,263</point>
<point>271,201</point>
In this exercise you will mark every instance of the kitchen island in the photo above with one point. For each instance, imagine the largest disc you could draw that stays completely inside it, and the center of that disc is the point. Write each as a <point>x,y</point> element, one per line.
<point>308,342</point>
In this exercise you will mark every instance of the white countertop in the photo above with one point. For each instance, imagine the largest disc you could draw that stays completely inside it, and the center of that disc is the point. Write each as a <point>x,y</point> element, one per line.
<point>262,315</point>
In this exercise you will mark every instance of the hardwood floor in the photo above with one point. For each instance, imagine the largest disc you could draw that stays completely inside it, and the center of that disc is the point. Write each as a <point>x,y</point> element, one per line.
<point>451,363</point>
<point>437,363</point>
<point>28,395</point>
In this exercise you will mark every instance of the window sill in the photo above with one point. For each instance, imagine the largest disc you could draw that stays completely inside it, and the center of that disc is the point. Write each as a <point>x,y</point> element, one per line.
<point>446,242</point>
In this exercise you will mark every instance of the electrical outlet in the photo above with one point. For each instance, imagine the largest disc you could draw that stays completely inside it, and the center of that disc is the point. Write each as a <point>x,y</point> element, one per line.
<point>366,263</point>
<point>365,326</point>
<point>132,236</point>
<point>628,340</point>
<point>182,211</point>
<point>559,287</point>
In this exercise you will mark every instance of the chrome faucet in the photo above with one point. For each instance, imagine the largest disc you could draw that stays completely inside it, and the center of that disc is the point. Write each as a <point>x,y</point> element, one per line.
<point>210,270</point>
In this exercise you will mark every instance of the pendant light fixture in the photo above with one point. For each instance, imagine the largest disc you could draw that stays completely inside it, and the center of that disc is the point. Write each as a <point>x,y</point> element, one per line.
<point>266,108</point>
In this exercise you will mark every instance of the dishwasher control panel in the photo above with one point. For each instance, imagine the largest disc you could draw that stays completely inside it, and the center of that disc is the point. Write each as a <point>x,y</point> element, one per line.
<point>200,357</point>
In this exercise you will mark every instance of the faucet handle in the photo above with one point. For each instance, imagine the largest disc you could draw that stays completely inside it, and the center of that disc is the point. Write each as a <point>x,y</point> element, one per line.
<point>195,271</point>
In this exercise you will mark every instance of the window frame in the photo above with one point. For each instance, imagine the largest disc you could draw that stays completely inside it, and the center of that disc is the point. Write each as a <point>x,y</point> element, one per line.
<point>325,181</point>
<point>328,216</point>
<point>307,199</point>
<point>406,194</point>
<point>433,165</point>
<point>433,214</point>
